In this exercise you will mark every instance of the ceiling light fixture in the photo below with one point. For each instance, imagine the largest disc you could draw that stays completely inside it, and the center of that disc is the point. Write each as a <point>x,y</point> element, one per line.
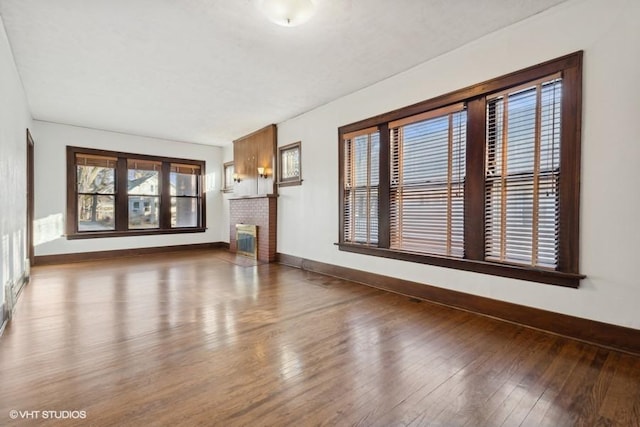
<point>287,13</point>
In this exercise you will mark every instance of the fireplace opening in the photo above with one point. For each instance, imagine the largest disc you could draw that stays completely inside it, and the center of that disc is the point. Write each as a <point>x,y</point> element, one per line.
<point>247,240</point>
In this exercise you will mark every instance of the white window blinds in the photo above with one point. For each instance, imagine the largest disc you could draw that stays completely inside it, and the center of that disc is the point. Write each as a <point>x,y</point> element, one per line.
<point>427,182</point>
<point>361,179</point>
<point>523,173</point>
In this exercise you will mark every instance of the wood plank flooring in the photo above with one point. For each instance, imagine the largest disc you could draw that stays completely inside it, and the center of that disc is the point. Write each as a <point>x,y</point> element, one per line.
<point>195,338</point>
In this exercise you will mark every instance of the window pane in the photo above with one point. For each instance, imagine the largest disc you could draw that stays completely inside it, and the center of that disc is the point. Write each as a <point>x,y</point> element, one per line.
<point>144,212</point>
<point>361,216</point>
<point>184,212</point>
<point>361,160</point>
<point>290,163</point>
<point>143,177</point>
<point>95,179</point>
<point>228,176</point>
<point>184,184</point>
<point>96,213</point>
<point>425,151</point>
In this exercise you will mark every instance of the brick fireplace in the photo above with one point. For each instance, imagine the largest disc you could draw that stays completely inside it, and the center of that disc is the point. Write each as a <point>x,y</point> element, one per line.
<point>260,211</point>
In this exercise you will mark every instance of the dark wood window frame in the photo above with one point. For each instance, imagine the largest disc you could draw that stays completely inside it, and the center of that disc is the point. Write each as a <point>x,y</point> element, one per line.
<point>475,98</point>
<point>284,182</point>
<point>227,187</point>
<point>121,197</point>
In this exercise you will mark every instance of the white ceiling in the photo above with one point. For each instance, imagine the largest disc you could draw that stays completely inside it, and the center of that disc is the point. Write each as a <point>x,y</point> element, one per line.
<point>210,71</point>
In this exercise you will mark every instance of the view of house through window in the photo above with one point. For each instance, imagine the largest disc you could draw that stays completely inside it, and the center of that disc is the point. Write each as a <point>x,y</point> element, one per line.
<point>143,179</point>
<point>117,192</point>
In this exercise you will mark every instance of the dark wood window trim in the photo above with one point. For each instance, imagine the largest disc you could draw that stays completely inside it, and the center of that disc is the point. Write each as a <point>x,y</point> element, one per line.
<point>121,197</point>
<point>285,182</point>
<point>567,271</point>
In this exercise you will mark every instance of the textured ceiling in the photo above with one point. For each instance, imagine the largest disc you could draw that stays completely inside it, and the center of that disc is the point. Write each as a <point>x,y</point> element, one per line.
<point>210,71</point>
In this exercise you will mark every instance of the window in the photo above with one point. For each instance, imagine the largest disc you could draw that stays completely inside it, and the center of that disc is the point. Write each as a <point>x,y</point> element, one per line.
<point>360,214</point>
<point>523,173</point>
<point>143,177</point>
<point>289,164</point>
<point>228,177</point>
<point>483,179</point>
<point>114,194</point>
<point>95,189</point>
<point>185,197</point>
<point>427,182</point>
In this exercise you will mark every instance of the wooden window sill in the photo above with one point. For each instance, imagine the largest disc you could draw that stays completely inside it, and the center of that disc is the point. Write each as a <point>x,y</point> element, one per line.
<point>147,232</point>
<point>513,271</point>
<point>289,183</point>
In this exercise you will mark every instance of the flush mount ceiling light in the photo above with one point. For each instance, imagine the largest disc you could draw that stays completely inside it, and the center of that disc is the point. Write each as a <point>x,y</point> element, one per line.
<point>287,13</point>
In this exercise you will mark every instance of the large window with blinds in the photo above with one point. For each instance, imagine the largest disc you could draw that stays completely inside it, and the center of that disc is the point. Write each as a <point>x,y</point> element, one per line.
<point>113,194</point>
<point>427,182</point>
<point>483,179</point>
<point>523,174</point>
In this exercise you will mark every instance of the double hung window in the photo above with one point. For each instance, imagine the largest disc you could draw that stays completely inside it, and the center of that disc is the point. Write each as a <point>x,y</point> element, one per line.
<point>427,182</point>
<point>95,189</point>
<point>523,174</point>
<point>360,213</point>
<point>483,179</point>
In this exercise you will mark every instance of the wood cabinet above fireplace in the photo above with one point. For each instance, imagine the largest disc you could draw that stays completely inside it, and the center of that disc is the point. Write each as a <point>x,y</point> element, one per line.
<point>251,152</point>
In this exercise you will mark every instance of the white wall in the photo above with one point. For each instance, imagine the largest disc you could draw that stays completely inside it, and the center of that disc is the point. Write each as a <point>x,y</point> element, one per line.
<point>609,34</point>
<point>50,187</point>
<point>14,120</point>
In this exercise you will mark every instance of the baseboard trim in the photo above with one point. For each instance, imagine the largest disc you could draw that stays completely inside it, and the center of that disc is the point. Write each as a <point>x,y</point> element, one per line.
<point>20,284</point>
<point>603,334</point>
<point>3,321</point>
<point>39,260</point>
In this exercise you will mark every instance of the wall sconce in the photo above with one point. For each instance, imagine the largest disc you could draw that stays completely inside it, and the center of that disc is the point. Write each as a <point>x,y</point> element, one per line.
<point>236,177</point>
<point>262,173</point>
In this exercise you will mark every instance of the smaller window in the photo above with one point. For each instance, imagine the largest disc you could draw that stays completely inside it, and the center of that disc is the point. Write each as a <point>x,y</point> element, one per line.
<point>96,192</point>
<point>289,164</point>
<point>228,177</point>
<point>361,186</point>
<point>185,195</point>
<point>142,186</point>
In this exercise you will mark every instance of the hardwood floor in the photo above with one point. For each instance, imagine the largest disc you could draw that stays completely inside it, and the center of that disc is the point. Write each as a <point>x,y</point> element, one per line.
<point>195,338</point>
